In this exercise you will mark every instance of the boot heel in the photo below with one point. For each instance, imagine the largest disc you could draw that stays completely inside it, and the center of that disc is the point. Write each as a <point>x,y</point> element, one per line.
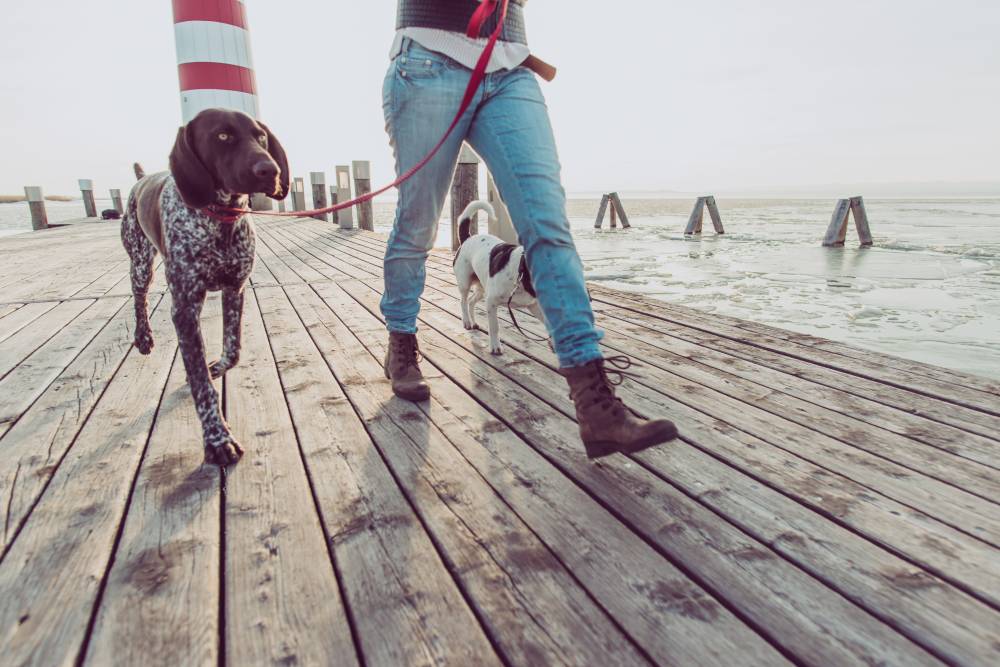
<point>598,450</point>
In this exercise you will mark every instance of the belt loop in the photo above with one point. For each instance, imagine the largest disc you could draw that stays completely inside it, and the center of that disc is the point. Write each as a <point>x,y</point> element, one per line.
<point>405,46</point>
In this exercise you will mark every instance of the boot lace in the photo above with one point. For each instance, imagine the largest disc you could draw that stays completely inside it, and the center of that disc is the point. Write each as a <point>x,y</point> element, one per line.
<point>612,372</point>
<point>405,352</point>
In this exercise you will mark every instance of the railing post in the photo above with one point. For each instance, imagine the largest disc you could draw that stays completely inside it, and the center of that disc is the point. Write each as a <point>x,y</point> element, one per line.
<point>464,190</point>
<point>298,194</point>
<point>36,204</point>
<point>318,180</point>
<point>87,190</point>
<point>362,186</point>
<point>116,201</point>
<point>345,216</point>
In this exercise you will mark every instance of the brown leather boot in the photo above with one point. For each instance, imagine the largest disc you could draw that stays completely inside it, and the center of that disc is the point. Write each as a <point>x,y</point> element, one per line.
<point>402,367</point>
<point>606,424</point>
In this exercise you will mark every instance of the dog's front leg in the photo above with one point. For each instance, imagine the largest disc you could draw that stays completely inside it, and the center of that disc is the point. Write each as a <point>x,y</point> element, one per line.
<point>232,323</point>
<point>220,445</point>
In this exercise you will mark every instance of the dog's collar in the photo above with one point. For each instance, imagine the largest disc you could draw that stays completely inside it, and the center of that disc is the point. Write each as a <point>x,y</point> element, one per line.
<point>227,211</point>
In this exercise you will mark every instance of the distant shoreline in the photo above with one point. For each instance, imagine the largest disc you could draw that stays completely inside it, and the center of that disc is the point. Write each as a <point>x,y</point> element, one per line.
<point>15,199</point>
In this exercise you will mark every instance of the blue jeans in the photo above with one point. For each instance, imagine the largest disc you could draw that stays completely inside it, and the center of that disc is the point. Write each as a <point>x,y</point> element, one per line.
<point>508,125</point>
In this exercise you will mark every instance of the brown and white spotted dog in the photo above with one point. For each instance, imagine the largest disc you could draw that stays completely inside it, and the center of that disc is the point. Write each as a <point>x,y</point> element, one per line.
<point>218,159</point>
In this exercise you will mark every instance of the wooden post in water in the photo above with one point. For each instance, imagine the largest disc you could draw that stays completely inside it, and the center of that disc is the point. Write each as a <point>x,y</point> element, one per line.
<point>87,190</point>
<point>602,211</point>
<point>318,180</point>
<point>116,201</point>
<point>698,215</point>
<point>36,204</point>
<point>614,214</point>
<point>464,190</point>
<point>298,194</point>
<point>616,205</point>
<point>836,233</point>
<point>362,186</point>
<point>344,216</point>
<point>504,227</point>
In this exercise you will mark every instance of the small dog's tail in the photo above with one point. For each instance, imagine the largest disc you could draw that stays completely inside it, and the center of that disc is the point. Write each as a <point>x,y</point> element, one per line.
<point>465,220</point>
<point>140,173</point>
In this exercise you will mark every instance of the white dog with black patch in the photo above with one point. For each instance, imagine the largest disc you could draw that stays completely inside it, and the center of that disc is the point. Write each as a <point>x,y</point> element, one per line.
<point>486,267</point>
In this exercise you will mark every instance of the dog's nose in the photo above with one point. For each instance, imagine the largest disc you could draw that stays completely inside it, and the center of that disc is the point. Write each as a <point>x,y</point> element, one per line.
<point>265,170</point>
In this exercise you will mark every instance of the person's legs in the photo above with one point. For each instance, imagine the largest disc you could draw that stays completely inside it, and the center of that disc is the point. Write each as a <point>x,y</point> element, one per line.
<point>420,95</point>
<point>511,131</point>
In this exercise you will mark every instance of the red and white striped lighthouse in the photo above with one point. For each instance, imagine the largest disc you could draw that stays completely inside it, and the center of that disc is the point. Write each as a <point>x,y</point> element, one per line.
<point>213,57</point>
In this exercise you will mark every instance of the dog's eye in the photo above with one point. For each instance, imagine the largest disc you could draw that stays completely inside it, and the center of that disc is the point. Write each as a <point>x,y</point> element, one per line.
<point>262,139</point>
<point>223,136</point>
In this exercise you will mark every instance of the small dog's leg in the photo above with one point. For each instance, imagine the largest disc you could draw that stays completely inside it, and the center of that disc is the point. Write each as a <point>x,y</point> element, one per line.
<point>220,445</point>
<point>474,298</point>
<point>232,321</point>
<point>463,292</point>
<point>491,309</point>
<point>142,253</point>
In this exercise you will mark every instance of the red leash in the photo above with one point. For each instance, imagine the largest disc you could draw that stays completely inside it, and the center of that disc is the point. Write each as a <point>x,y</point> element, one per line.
<point>485,10</point>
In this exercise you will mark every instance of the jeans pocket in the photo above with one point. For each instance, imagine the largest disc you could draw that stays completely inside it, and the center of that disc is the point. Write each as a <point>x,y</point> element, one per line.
<point>419,63</point>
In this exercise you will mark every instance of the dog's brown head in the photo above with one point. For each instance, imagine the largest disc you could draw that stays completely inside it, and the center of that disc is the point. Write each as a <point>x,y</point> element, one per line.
<point>227,151</point>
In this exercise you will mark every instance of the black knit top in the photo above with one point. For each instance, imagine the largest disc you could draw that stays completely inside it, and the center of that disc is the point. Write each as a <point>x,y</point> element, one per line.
<point>454,15</point>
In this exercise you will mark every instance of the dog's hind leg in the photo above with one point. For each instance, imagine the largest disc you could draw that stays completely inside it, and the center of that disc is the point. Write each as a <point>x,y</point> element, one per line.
<point>220,445</point>
<point>232,322</point>
<point>475,297</point>
<point>142,253</point>
<point>492,304</point>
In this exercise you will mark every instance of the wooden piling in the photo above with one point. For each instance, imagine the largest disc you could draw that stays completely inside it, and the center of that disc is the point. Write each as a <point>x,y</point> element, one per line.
<point>318,180</point>
<point>694,225</point>
<point>503,227</point>
<point>345,216</point>
<point>836,233</point>
<point>616,206</point>
<point>697,216</point>
<point>614,215</point>
<point>602,211</point>
<point>116,201</point>
<point>87,190</point>
<point>298,194</point>
<point>362,186</point>
<point>464,190</point>
<point>36,204</point>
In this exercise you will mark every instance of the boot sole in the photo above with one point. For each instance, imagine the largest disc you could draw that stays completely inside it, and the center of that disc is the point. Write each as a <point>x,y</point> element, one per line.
<point>600,448</point>
<point>417,396</point>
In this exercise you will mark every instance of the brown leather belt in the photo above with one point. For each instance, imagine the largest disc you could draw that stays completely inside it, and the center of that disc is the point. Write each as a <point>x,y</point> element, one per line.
<point>540,67</point>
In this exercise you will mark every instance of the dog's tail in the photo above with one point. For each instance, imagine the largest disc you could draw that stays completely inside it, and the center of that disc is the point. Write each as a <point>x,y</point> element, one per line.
<point>140,173</point>
<point>468,215</point>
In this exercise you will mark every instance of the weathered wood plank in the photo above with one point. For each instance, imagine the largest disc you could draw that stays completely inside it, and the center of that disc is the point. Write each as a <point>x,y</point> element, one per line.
<point>877,579</point>
<point>280,584</point>
<point>23,317</point>
<point>160,604</point>
<point>9,308</point>
<point>31,377</point>
<point>938,547</point>
<point>671,618</point>
<point>50,575</point>
<point>23,343</point>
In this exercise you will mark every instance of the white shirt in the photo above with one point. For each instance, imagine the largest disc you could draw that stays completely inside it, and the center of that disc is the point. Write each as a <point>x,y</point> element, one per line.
<point>461,48</point>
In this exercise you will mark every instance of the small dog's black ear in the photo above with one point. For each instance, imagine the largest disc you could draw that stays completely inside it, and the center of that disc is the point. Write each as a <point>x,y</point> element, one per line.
<point>194,182</point>
<point>526,283</point>
<point>277,152</point>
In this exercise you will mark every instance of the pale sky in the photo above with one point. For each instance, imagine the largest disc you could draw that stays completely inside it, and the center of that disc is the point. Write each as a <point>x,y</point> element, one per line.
<point>712,95</point>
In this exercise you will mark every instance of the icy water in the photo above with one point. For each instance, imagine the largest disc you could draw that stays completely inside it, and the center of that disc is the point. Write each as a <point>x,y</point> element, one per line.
<point>929,290</point>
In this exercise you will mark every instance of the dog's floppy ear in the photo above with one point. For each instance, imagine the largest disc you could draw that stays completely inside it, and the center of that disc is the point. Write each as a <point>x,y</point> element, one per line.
<point>526,277</point>
<point>277,152</point>
<point>194,182</point>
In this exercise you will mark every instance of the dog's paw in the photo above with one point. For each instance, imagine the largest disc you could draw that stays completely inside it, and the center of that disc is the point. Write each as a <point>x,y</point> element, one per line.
<point>496,351</point>
<point>144,342</point>
<point>218,368</point>
<point>223,451</point>
<point>471,326</point>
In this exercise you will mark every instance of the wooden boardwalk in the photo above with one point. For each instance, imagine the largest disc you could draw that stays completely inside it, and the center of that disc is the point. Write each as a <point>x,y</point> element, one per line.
<point>826,505</point>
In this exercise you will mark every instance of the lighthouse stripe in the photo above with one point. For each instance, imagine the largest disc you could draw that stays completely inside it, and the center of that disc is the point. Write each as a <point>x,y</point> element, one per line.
<point>194,101</point>
<point>218,76</point>
<point>222,11</point>
<point>206,41</point>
